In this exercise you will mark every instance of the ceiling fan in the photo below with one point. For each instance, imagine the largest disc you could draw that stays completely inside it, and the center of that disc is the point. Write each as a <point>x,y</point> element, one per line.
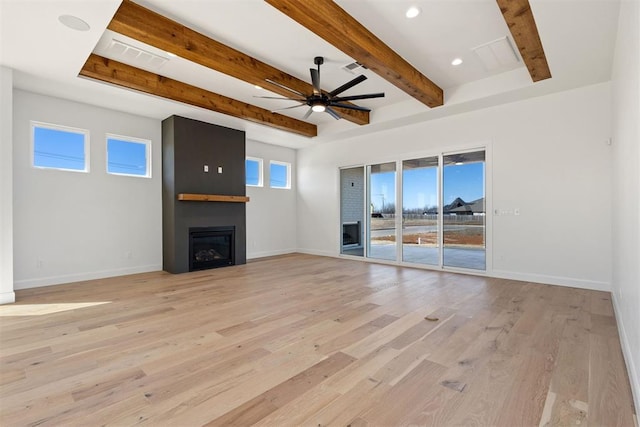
<point>323,102</point>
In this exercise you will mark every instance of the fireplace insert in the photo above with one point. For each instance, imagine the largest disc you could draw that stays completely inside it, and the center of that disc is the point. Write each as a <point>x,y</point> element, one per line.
<point>211,247</point>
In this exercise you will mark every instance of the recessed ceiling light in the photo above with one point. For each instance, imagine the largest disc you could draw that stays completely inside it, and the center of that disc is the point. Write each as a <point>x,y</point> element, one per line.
<point>73,22</point>
<point>258,87</point>
<point>171,55</point>
<point>456,61</point>
<point>412,12</point>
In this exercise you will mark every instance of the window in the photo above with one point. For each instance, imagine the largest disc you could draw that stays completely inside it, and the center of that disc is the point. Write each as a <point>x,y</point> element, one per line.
<point>253,168</point>
<point>128,156</point>
<point>59,147</point>
<point>280,175</point>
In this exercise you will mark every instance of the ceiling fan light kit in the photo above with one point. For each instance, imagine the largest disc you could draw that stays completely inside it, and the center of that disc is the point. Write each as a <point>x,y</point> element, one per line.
<point>320,101</point>
<point>318,108</point>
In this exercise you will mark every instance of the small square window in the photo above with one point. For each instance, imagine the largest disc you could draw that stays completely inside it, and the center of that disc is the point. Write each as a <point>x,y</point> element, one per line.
<point>128,156</point>
<point>253,169</point>
<point>59,147</point>
<point>280,175</point>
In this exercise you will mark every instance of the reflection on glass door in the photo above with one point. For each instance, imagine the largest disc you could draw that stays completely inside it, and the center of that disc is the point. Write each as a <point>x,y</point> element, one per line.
<point>420,239</point>
<point>382,211</point>
<point>463,193</point>
<point>352,211</point>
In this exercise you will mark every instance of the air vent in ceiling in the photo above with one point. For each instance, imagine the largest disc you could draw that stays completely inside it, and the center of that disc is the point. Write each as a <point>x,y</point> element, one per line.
<point>135,56</point>
<point>354,67</point>
<point>497,54</point>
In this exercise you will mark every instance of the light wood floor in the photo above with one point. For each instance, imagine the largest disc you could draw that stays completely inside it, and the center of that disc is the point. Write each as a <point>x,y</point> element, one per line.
<point>304,340</point>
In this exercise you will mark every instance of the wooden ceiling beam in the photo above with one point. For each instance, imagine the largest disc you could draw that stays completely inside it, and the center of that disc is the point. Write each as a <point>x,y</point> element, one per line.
<point>519,18</point>
<point>137,22</point>
<point>106,70</point>
<point>329,21</point>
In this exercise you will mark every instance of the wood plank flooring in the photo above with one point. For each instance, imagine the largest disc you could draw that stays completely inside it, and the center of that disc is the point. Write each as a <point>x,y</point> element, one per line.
<point>305,340</point>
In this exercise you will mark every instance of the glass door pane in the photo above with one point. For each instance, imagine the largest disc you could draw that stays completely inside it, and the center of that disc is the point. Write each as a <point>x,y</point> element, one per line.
<point>382,211</point>
<point>420,239</point>
<point>464,210</point>
<point>352,211</point>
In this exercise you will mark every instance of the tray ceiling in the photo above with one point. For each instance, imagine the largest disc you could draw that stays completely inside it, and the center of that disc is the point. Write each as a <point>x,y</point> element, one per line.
<point>48,57</point>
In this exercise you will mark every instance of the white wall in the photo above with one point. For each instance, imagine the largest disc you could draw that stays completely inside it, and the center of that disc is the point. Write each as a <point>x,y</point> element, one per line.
<point>271,212</point>
<point>626,188</point>
<point>71,226</point>
<point>6,186</point>
<point>546,156</point>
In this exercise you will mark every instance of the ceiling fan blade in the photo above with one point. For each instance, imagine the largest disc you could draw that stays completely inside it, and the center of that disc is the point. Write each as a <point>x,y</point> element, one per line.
<point>356,97</point>
<point>348,85</point>
<point>315,80</point>
<point>306,116</point>
<point>289,108</point>
<point>349,106</point>
<point>280,97</point>
<point>285,87</point>
<point>333,113</point>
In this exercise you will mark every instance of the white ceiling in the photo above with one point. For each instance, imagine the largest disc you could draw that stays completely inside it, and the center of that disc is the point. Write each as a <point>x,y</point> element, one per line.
<point>578,37</point>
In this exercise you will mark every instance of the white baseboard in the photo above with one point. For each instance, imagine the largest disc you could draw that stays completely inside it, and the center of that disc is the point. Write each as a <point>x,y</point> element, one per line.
<point>7,297</point>
<point>79,277</point>
<point>316,252</point>
<point>500,274</point>
<point>263,254</point>
<point>552,280</point>
<point>632,369</point>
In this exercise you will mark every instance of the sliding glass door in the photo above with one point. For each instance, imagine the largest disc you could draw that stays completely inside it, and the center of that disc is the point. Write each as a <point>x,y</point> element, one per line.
<point>420,237</point>
<point>382,211</point>
<point>441,216</point>
<point>352,211</point>
<point>463,211</point>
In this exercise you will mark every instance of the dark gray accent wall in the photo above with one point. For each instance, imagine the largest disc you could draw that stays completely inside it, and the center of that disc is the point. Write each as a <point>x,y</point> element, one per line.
<point>187,146</point>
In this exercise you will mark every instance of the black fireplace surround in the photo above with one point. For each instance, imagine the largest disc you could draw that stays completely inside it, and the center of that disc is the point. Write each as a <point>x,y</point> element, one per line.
<point>201,158</point>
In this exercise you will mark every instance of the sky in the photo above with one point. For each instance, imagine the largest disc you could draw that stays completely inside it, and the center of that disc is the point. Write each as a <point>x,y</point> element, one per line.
<point>252,168</point>
<point>126,157</point>
<point>58,149</point>
<point>420,189</point>
<point>278,175</point>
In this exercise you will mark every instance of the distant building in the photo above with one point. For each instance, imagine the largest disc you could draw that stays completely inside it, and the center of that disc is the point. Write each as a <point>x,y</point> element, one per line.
<point>460,207</point>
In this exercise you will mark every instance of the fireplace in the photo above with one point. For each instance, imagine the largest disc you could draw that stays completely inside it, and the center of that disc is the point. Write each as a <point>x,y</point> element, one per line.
<point>351,234</point>
<point>211,247</point>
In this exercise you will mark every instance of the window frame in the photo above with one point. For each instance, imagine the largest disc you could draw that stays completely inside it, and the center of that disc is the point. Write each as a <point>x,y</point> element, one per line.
<point>287,165</point>
<point>147,152</point>
<point>260,171</point>
<point>34,124</point>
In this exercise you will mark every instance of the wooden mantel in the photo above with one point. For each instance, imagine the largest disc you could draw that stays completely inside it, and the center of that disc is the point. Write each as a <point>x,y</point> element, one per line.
<point>211,198</point>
